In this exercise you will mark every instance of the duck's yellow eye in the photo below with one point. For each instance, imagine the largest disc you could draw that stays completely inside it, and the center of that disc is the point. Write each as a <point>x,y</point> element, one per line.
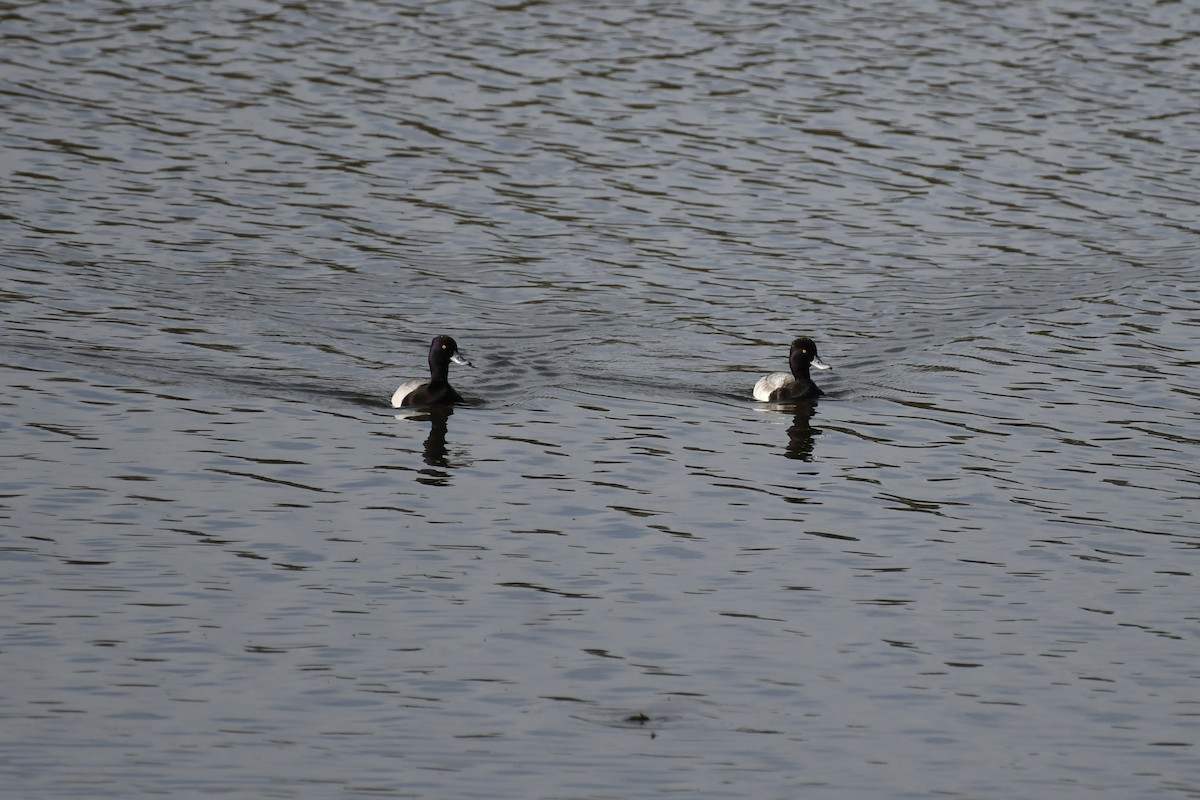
<point>445,346</point>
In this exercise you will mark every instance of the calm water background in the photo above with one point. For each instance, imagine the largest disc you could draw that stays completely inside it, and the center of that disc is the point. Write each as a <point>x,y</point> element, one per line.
<point>230,229</point>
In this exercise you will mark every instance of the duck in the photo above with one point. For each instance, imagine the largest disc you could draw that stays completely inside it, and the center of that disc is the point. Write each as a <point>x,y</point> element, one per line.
<point>437,391</point>
<point>781,387</point>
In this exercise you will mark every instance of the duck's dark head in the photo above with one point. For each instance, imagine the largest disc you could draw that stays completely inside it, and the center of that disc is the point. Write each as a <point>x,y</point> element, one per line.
<point>443,349</point>
<point>803,354</point>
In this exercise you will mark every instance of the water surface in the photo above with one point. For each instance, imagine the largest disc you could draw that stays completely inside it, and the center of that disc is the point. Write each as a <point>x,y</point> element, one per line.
<point>230,229</point>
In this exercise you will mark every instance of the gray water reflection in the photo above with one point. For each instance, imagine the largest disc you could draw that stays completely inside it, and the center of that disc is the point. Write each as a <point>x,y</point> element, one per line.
<point>229,231</point>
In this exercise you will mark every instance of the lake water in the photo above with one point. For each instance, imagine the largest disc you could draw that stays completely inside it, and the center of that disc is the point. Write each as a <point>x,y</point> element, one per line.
<point>230,229</point>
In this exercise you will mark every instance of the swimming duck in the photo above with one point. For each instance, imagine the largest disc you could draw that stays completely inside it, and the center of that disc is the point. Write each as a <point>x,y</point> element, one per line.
<point>780,387</point>
<point>438,391</point>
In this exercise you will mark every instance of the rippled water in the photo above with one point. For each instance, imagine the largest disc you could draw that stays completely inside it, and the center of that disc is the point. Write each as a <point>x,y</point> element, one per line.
<point>230,229</point>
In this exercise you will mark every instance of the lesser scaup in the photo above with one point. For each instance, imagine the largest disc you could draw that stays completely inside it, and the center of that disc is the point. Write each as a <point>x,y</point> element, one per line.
<point>438,391</point>
<point>780,387</point>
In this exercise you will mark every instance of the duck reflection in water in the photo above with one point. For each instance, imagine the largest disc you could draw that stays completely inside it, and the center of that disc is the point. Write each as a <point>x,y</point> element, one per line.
<point>435,453</point>
<point>801,433</point>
